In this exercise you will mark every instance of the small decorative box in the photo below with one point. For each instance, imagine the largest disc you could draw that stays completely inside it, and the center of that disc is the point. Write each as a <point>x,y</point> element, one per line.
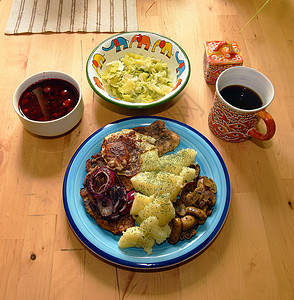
<point>219,56</point>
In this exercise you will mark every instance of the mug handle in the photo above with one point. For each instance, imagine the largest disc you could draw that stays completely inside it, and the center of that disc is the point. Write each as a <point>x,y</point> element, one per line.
<point>270,127</point>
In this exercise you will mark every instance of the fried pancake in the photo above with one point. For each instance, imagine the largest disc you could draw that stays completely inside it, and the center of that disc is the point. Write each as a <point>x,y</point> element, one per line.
<point>116,227</point>
<point>121,150</point>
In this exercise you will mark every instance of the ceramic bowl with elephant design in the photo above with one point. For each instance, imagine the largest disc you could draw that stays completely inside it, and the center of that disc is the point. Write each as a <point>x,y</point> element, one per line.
<point>147,44</point>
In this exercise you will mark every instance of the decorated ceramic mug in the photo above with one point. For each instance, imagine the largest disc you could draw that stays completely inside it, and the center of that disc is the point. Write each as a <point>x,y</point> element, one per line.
<point>231,118</point>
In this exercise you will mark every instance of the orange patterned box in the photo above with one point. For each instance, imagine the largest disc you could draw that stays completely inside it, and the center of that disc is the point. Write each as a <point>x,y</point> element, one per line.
<point>219,56</point>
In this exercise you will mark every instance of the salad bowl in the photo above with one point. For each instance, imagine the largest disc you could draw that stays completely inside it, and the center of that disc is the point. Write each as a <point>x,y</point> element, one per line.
<point>150,46</point>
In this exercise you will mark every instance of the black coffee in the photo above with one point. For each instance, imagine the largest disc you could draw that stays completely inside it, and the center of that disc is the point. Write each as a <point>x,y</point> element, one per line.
<point>241,97</point>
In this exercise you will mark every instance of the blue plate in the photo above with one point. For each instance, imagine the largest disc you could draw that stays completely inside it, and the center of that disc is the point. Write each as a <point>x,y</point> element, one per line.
<point>104,243</point>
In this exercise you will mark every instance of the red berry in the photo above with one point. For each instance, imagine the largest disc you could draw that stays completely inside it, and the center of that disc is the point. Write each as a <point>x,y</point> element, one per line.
<point>67,103</point>
<point>47,89</point>
<point>25,101</point>
<point>55,115</point>
<point>64,93</point>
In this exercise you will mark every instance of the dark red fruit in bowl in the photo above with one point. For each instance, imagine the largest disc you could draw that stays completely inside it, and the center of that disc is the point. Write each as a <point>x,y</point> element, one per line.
<point>48,99</point>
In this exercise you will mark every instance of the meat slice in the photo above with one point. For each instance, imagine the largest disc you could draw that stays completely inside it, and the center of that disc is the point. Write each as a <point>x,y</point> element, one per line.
<point>122,149</point>
<point>116,227</point>
<point>166,140</point>
<point>97,161</point>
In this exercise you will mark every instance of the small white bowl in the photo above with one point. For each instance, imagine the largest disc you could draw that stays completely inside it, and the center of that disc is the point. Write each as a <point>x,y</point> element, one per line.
<point>143,43</point>
<point>54,127</point>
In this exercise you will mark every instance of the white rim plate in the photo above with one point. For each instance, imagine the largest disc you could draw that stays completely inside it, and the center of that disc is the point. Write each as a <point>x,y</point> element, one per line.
<point>104,243</point>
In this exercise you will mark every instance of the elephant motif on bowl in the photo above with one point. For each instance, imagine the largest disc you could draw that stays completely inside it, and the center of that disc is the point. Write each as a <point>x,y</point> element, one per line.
<point>143,43</point>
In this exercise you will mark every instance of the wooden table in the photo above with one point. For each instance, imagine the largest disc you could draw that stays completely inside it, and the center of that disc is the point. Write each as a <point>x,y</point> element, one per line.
<point>252,257</point>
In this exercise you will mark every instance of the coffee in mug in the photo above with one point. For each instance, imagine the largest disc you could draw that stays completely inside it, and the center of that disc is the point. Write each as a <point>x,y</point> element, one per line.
<point>241,97</point>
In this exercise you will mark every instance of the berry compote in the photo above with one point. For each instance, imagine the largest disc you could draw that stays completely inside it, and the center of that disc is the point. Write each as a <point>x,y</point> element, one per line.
<point>48,99</point>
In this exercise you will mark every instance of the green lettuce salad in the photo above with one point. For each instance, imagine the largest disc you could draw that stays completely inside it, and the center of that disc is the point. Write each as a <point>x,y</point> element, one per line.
<point>138,79</point>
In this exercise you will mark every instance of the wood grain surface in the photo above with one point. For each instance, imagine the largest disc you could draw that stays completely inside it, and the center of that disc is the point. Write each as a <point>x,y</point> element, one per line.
<point>252,257</point>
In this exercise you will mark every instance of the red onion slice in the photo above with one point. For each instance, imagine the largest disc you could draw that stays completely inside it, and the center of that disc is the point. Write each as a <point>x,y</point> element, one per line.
<point>127,206</point>
<point>103,177</point>
<point>110,195</point>
<point>118,195</point>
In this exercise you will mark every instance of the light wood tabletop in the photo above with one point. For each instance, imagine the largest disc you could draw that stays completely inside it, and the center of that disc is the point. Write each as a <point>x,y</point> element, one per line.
<point>252,256</point>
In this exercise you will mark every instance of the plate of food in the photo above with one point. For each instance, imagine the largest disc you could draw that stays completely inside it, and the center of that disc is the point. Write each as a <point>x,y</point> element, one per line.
<point>103,191</point>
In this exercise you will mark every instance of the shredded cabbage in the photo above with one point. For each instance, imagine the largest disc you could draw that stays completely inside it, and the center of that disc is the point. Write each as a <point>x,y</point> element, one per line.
<point>138,79</point>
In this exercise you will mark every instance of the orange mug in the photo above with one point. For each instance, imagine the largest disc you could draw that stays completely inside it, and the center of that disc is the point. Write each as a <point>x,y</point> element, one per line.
<point>233,117</point>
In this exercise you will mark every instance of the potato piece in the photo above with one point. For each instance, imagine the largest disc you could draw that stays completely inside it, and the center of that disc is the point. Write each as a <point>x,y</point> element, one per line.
<point>150,183</point>
<point>150,161</point>
<point>162,233</point>
<point>186,157</point>
<point>188,174</point>
<point>161,207</point>
<point>167,211</point>
<point>148,224</point>
<point>172,190</point>
<point>168,183</point>
<point>151,228</point>
<point>140,201</point>
<point>145,183</point>
<point>135,237</point>
<point>150,210</point>
<point>169,178</point>
<point>167,164</point>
